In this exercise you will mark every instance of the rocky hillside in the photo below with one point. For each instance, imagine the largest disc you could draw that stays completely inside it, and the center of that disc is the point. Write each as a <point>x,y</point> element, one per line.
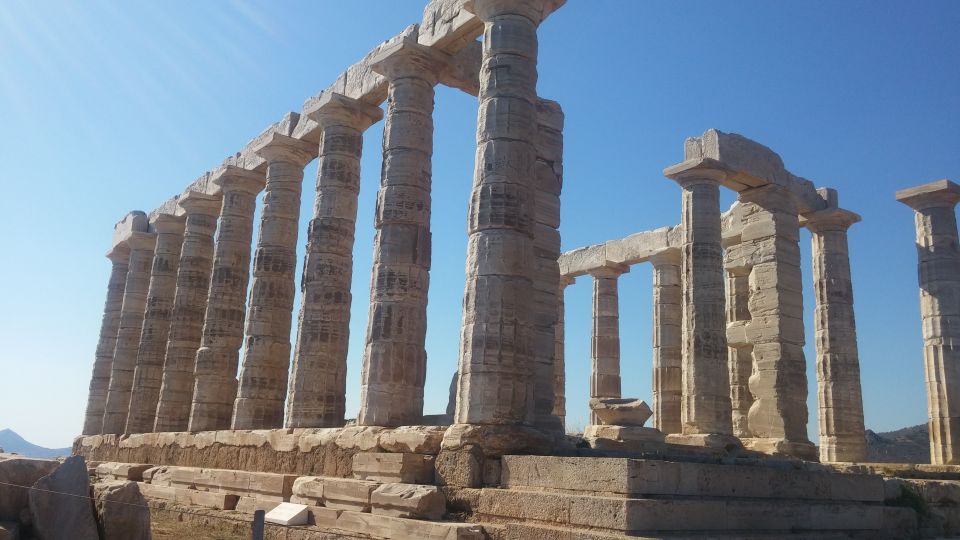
<point>907,445</point>
<point>13,443</point>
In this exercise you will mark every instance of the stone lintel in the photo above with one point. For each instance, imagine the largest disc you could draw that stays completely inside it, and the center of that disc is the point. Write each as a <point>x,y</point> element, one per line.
<point>406,57</point>
<point>332,107</point>
<point>669,256</point>
<point>167,223</point>
<point>233,178</point>
<point>829,219</point>
<point>535,10</point>
<point>566,281</point>
<point>447,26</point>
<point>701,170</point>
<point>277,146</point>
<point>634,249</point>
<point>937,193</point>
<point>464,72</point>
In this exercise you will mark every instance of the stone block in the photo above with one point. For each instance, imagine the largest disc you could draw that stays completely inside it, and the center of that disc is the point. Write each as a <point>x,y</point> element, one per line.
<point>19,471</point>
<point>123,471</point>
<point>362,438</point>
<point>407,468</point>
<point>348,494</point>
<point>122,511</point>
<point>460,468</point>
<point>289,514</point>
<point>59,504</point>
<point>249,505</point>
<point>381,526</point>
<point>308,490</point>
<point>620,411</point>
<point>408,501</point>
<point>415,439</point>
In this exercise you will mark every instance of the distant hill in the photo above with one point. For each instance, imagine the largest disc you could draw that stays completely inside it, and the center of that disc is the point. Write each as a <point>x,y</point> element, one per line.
<point>15,444</point>
<point>907,445</point>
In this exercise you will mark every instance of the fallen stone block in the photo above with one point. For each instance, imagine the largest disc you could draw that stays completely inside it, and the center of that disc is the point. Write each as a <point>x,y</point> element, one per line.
<point>620,411</point>
<point>408,501</point>
<point>60,508</point>
<point>16,470</point>
<point>287,514</point>
<point>122,511</point>
<point>407,468</point>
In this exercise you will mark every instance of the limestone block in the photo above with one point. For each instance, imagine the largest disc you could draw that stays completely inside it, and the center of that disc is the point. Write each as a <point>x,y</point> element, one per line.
<point>460,468</point>
<point>408,501</point>
<point>416,439</point>
<point>123,471</point>
<point>249,505</point>
<point>20,471</point>
<point>404,467</point>
<point>308,490</point>
<point>348,494</point>
<point>287,514</point>
<point>407,529</point>
<point>362,438</point>
<point>623,434</point>
<point>122,511</point>
<point>497,440</point>
<point>620,411</point>
<point>447,26</point>
<point>59,504</point>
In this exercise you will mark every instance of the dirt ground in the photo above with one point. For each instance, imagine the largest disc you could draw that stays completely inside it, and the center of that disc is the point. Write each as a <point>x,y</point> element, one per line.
<point>168,526</point>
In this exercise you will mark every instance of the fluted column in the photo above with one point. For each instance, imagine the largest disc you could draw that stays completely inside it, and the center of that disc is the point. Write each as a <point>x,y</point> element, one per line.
<point>109,326</point>
<point>215,372</point>
<point>706,408</point>
<point>148,374</point>
<point>318,386</point>
<point>266,360</point>
<point>667,342</point>
<point>938,271</point>
<point>838,361</point>
<point>560,368</point>
<point>189,308</point>
<point>605,336</point>
<point>496,384</point>
<point>141,246</point>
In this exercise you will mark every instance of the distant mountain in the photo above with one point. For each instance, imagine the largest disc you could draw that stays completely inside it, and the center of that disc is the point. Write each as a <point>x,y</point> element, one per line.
<point>907,445</point>
<point>15,444</point>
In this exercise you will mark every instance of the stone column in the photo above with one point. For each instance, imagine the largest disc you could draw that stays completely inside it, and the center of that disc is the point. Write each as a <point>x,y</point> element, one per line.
<point>266,360</point>
<point>148,374</point>
<point>605,337</point>
<point>141,246</point>
<point>318,386</point>
<point>842,435</point>
<point>395,357</point>
<point>496,384</point>
<point>706,409</point>
<point>189,308</point>
<point>215,372</point>
<point>740,350</point>
<point>778,416</point>
<point>938,270</point>
<point>100,380</point>
<point>667,342</point>
<point>559,364</point>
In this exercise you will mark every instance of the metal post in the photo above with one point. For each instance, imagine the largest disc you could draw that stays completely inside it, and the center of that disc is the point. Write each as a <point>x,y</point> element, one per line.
<point>258,517</point>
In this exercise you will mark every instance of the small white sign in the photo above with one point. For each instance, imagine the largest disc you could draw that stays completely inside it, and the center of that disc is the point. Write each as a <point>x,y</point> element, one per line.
<point>287,514</point>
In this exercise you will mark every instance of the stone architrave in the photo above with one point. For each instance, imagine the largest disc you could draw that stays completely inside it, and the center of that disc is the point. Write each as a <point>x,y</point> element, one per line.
<point>189,308</point>
<point>317,391</point>
<point>938,270</point>
<point>148,374</point>
<point>496,384</point>
<point>706,408</point>
<point>266,360</point>
<point>667,342</point>
<point>141,246</point>
<point>395,358</point>
<point>215,371</point>
<point>777,419</point>
<point>605,337</point>
<point>842,436</point>
<point>559,369</point>
<point>100,380</point>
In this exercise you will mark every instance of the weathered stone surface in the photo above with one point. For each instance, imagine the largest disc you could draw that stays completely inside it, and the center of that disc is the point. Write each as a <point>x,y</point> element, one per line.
<point>122,471</point>
<point>407,468</point>
<point>498,440</point>
<point>335,493</point>
<point>60,507</point>
<point>620,411</point>
<point>122,511</point>
<point>416,439</point>
<point>408,501</point>
<point>624,438</point>
<point>667,341</point>
<point>288,514</point>
<point>605,335</point>
<point>16,470</point>
<point>460,468</point>
<point>185,496</point>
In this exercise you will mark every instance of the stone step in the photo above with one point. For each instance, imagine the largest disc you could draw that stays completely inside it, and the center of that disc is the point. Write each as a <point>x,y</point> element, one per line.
<point>392,527</point>
<point>263,486</point>
<point>631,515</point>
<point>654,478</point>
<point>526,531</point>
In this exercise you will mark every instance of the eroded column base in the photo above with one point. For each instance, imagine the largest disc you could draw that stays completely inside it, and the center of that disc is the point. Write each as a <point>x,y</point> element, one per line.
<point>804,450</point>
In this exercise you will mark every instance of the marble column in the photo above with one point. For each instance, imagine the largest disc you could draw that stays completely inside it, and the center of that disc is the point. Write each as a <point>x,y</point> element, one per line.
<point>148,374</point>
<point>189,308</point>
<point>215,371</point>
<point>559,363</point>
<point>705,408</point>
<point>605,337</point>
<point>667,341</point>
<point>842,435</point>
<point>266,359</point>
<point>778,415</point>
<point>938,271</point>
<point>100,380</point>
<point>496,384</point>
<point>395,358</point>
<point>318,387</point>
<point>141,246</point>
<point>740,350</point>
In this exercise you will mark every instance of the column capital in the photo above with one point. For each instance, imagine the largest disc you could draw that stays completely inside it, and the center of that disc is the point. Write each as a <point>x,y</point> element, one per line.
<point>332,108</point>
<point>232,178</point>
<point>697,171</point>
<point>142,240</point>
<point>119,253</point>
<point>194,202</point>
<point>407,58</point>
<point>831,219</point>
<point>609,270</point>
<point>669,257</point>
<point>279,147</point>
<point>535,10</point>
<point>939,193</point>
<point>566,281</point>
<point>168,223</point>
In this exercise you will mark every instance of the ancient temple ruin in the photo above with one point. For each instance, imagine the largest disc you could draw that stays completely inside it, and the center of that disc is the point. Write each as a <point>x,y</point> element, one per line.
<point>199,393</point>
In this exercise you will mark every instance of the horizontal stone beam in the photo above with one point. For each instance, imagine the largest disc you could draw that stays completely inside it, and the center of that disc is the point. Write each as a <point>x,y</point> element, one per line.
<point>636,248</point>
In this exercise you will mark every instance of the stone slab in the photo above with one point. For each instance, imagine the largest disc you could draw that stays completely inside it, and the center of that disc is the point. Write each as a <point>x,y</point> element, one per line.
<point>249,505</point>
<point>220,501</point>
<point>287,514</point>
<point>408,468</point>
<point>408,501</point>
<point>122,471</point>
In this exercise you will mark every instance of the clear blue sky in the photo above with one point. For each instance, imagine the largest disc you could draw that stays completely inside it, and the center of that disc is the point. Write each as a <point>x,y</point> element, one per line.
<point>108,107</point>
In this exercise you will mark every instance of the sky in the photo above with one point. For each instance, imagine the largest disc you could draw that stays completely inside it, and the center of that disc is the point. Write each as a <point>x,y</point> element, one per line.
<point>108,107</point>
